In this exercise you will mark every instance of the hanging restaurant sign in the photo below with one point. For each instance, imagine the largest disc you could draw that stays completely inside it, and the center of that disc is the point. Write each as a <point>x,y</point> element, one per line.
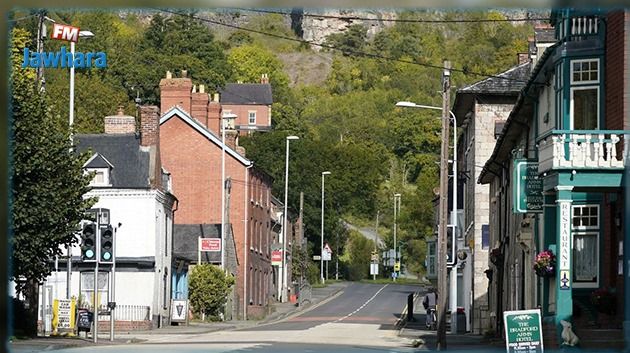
<point>528,197</point>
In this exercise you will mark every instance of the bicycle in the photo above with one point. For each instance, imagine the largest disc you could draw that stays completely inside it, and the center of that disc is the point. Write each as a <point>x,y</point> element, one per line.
<point>433,321</point>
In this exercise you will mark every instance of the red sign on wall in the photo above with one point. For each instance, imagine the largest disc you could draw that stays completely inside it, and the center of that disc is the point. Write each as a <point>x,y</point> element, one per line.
<point>276,258</point>
<point>209,244</point>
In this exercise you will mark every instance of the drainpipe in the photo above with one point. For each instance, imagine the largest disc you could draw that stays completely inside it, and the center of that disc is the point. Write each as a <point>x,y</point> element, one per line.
<point>626,247</point>
<point>245,251</point>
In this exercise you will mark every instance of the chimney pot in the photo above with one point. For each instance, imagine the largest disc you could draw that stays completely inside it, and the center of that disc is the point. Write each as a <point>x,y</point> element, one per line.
<point>194,89</point>
<point>169,74</point>
<point>121,110</point>
<point>215,97</point>
<point>184,73</point>
<point>202,89</point>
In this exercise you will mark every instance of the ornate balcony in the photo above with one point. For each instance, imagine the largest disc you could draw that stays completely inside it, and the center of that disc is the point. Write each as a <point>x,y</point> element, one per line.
<point>582,149</point>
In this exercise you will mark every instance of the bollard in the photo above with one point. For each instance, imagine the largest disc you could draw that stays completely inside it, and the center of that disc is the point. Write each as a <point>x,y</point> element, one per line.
<point>410,307</point>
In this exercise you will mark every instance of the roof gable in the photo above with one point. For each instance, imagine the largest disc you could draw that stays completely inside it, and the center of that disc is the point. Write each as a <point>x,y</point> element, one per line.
<point>178,112</point>
<point>98,161</point>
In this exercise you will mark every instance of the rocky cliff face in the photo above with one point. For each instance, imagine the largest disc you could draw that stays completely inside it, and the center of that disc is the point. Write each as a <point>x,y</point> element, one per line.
<point>316,29</point>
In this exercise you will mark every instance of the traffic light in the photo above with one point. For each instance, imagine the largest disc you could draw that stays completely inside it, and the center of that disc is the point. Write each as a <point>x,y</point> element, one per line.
<point>88,242</point>
<point>107,244</point>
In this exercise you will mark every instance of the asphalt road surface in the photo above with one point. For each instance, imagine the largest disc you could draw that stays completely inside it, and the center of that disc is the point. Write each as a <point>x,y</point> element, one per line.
<point>361,318</point>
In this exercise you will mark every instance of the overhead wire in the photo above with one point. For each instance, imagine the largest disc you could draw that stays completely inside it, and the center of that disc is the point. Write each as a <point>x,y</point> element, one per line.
<point>400,20</point>
<point>327,46</point>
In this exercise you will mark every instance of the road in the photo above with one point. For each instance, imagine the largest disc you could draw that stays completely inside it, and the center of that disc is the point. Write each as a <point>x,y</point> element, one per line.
<point>361,318</point>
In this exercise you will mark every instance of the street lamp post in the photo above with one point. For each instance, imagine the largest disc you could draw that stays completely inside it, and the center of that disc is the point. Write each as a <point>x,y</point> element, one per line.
<point>82,34</point>
<point>321,261</point>
<point>285,222</point>
<point>396,210</point>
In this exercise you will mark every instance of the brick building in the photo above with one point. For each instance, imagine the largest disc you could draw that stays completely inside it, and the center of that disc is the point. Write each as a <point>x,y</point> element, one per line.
<point>192,152</point>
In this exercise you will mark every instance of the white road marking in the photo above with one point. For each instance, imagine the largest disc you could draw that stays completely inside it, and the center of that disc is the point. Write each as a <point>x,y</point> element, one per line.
<point>362,306</point>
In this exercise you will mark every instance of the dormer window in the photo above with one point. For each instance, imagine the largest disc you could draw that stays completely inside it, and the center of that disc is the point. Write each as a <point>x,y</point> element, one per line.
<point>101,169</point>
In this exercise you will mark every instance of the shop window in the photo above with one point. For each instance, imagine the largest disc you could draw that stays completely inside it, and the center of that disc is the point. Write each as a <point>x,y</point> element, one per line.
<point>586,260</point>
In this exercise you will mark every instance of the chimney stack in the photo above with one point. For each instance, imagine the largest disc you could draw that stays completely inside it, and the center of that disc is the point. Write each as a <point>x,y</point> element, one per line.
<point>149,125</point>
<point>213,120</point>
<point>120,123</point>
<point>175,92</point>
<point>199,105</point>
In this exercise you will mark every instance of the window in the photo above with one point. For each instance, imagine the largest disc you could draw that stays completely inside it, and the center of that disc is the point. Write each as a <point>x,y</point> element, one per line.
<point>586,217</point>
<point>87,289</point>
<point>585,71</point>
<point>586,259</point>
<point>585,108</point>
<point>101,176</point>
<point>586,246</point>
<point>585,94</point>
<point>252,117</point>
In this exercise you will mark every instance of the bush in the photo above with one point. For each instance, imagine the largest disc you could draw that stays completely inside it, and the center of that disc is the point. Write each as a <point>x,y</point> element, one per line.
<point>208,288</point>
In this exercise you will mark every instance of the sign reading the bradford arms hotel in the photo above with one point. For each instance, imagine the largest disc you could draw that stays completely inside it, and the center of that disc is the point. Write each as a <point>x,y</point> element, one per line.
<point>523,331</point>
<point>528,195</point>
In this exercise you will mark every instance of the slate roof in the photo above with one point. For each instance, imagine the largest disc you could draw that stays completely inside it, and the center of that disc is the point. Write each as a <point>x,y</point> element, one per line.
<point>185,241</point>
<point>246,93</point>
<point>130,164</point>
<point>506,84</point>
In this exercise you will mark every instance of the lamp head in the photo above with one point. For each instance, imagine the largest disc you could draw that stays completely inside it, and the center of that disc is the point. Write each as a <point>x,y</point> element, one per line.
<point>292,137</point>
<point>405,104</point>
<point>86,34</point>
<point>326,173</point>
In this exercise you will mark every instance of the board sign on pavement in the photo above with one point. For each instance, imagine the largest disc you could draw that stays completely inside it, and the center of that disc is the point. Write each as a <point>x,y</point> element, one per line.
<point>523,331</point>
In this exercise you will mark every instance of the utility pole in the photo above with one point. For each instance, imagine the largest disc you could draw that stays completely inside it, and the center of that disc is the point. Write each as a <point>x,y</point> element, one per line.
<point>376,238</point>
<point>41,33</point>
<point>443,212</point>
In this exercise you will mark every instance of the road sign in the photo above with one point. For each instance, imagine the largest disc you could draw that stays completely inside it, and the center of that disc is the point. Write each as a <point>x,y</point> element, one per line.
<point>373,269</point>
<point>523,331</point>
<point>327,253</point>
<point>397,266</point>
<point>276,258</point>
<point>316,257</point>
<point>179,310</point>
<point>374,257</point>
<point>209,244</point>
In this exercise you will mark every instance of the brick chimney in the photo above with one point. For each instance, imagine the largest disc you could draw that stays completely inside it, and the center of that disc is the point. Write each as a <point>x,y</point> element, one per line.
<point>199,104</point>
<point>176,92</point>
<point>120,123</point>
<point>149,125</point>
<point>213,120</point>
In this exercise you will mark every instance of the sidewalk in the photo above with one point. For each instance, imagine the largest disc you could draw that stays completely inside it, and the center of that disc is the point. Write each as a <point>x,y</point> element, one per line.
<point>280,312</point>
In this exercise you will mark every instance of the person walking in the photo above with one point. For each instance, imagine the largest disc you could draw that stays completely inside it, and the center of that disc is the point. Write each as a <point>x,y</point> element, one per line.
<point>430,303</point>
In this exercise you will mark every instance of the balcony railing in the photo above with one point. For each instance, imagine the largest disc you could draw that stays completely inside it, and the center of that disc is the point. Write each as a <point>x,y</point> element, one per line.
<point>580,28</point>
<point>582,149</point>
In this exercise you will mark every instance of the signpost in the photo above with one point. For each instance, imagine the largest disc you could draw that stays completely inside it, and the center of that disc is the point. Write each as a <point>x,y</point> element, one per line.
<point>528,195</point>
<point>523,331</point>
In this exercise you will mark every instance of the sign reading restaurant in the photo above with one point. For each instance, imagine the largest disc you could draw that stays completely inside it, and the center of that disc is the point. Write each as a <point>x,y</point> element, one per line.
<point>523,332</point>
<point>528,197</point>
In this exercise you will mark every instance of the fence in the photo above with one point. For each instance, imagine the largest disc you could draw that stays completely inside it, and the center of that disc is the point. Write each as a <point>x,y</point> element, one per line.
<point>126,312</point>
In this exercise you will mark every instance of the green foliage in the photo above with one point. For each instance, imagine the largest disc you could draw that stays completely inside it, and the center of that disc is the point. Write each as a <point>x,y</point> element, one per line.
<point>47,179</point>
<point>208,287</point>
<point>356,260</point>
<point>353,39</point>
<point>250,62</point>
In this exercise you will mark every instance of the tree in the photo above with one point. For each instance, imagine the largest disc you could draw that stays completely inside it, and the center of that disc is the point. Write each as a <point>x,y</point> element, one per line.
<point>208,289</point>
<point>47,184</point>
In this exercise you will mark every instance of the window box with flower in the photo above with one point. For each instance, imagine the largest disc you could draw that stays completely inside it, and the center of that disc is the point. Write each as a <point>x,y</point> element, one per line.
<point>545,264</point>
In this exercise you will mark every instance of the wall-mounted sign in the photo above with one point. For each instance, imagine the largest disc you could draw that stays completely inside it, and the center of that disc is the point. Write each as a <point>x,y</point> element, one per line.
<point>528,195</point>
<point>276,258</point>
<point>523,331</point>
